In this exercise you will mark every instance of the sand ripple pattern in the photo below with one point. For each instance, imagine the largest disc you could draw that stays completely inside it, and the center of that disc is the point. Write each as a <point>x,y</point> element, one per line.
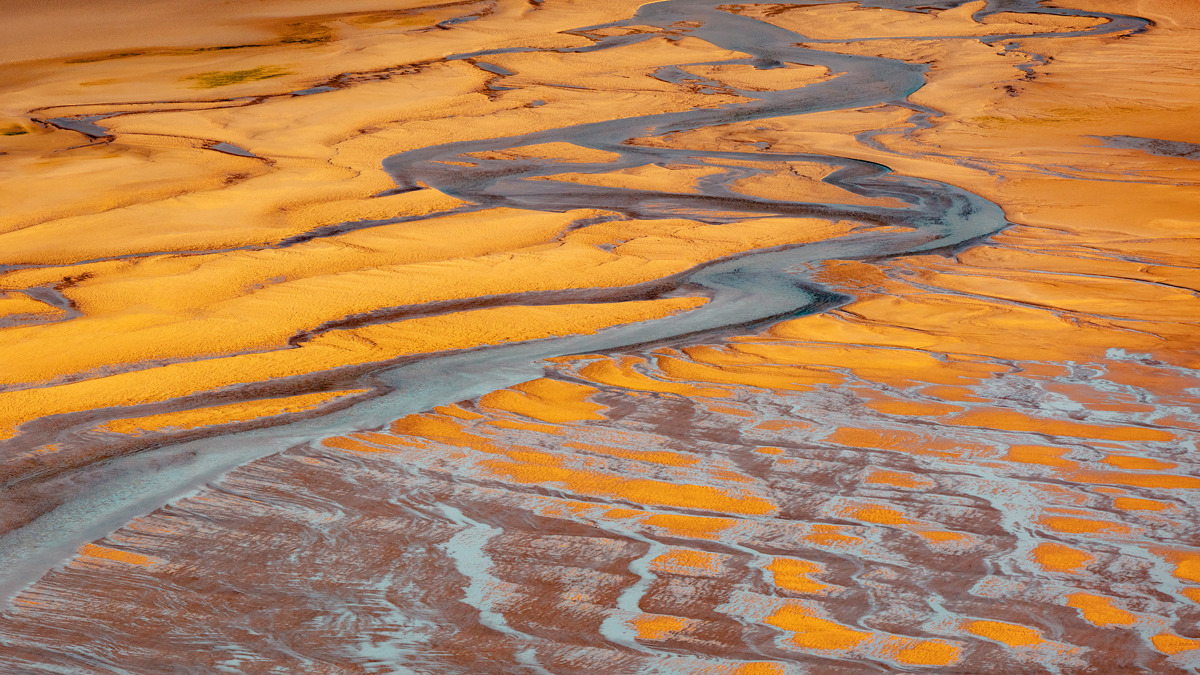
<point>624,515</point>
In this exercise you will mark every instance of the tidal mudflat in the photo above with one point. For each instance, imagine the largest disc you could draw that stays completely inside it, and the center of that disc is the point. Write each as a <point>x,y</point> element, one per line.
<point>553,336</point>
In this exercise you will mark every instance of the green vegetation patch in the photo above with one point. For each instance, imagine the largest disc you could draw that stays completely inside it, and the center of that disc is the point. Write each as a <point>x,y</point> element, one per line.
<point>13,130</point>
<point>991,121</point>
<point>307,34</point>
<point>224,78</point>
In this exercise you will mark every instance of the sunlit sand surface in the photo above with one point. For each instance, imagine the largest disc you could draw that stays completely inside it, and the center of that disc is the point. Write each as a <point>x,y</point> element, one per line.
<point>391,336</point>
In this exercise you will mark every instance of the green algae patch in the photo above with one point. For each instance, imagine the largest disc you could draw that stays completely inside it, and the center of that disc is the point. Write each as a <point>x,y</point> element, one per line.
<point>307,34</point>
<point>224,78</point>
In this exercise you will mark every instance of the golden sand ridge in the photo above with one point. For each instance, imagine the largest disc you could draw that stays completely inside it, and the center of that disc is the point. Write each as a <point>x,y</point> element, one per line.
<point>203,226</point>
<point>983,459</point>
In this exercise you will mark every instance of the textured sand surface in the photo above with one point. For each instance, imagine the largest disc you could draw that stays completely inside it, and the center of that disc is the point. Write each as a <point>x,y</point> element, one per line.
<point>600,337</point>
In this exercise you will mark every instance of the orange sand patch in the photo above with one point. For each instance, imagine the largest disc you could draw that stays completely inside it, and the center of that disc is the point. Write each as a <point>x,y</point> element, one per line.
<point>1135,504</point>
<point>547,400</point>
<point>696,527</point>
<point>619,514</point>
<point>813,632</point>
<point>1173,644</point>
<point>1045,370</point>
<point>898,478</point>
<point>1012,420</point>
<point>900,368</point>
<point>758,668</point>
<point>1099,610</point>
<point>552,152</point>
<point>676,244</point>
<point>1192,594</point>
<point>670,178</point>
<point>657,627</point>
<point>530,466</point>
<point>921,652</point>
<point>618,73</point>
<point>799,181</point>
<point>16,304</point>
<point>1138,463</point>
<point>794,379</point>
<point>1187,564</point>
<point>878,514</point>
<point>914,408</point>
<point>781,425</point>
<point>1165,482</point>
<point>622,374</point>
<point>1107,444</point>
<point>525,426</point>
<point>351,445</point>
<point>1010,634</point>
<point>106,553</point>
<point>1039,454</point>
<point>663,457</point>
<point>369,344</point>
<point>196,301</point>
<point>1082,525</point>
<point>834,22</point>
<point>1176,421</point>
<point>831,535</point>
<point>768,450</point>
<point>686,558</point>
<point>226,414</point>
<point>942,536</point>
<point>750,78</point>
<point>731,476</point>
<point>1094,399</point>
<point>574,507</point>
<point>457,411</point>
<point>1059,558</point>
<point>949,393</point>
<point>1157,380</point>
<point>443,429</point>
<point>792,574</point>
<point>726,410</point>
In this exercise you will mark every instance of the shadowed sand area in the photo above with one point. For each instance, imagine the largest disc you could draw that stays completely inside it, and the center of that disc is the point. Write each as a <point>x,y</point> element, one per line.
<point>600,337</point>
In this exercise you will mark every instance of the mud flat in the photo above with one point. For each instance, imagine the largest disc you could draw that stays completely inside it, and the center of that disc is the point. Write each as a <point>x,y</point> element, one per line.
<point>677,337</point>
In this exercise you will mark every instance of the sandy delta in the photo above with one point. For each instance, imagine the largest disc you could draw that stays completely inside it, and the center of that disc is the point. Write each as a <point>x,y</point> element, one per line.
<point>527,336</point>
